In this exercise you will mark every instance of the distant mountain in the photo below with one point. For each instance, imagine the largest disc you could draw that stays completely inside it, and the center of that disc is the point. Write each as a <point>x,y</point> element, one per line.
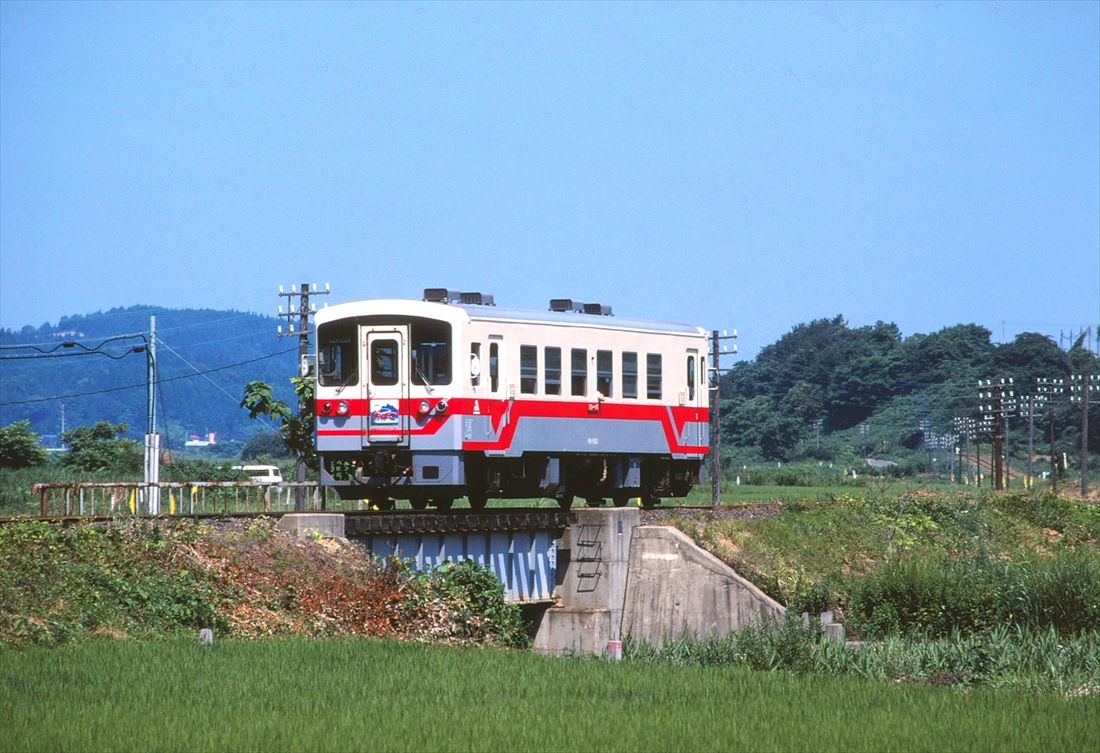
<point>101,378</point>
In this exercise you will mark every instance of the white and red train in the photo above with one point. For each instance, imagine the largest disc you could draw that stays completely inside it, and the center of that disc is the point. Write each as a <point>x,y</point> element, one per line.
<point>452,396</point>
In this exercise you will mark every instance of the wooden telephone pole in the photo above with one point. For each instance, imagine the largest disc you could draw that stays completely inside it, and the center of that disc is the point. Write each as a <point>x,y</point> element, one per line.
<point>716,372</point>
<point>302,314</point>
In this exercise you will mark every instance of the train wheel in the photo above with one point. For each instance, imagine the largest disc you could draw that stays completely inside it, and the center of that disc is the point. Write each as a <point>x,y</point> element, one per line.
<point>443,503</point>
<point>477,500</point>
<point>418,504</point>
<point>380,503</point>
<point>565,499</point>
<point>650,500</point>
<point>594,501</point>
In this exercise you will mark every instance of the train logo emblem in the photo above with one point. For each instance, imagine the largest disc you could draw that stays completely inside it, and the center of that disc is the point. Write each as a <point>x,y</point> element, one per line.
<point>385,415</point>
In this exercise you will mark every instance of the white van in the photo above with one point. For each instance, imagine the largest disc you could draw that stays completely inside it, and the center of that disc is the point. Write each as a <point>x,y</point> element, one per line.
<point>261,474</point>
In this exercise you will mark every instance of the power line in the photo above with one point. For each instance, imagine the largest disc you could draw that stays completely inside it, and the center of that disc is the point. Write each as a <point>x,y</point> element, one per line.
<point>70,344</point>
<point>159,381</point>
<point>199,372</point>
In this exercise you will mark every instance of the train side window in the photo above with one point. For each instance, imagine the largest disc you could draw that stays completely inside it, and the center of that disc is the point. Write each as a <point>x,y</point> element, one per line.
<point>494,367</point>
<point>552,373</point>
<point>528,369</point>
<point>579,371</point>
<point>475,364</point>
<point>605,373</point>
<point>630,375</point>
<point>653,376</point>
<point>691,377</point>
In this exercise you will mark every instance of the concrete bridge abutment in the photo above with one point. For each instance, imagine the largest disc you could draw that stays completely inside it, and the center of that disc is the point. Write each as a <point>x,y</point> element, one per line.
<point>616,577</point>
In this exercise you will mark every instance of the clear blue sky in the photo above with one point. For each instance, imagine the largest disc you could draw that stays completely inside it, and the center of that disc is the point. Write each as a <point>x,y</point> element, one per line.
<point>730,165</point>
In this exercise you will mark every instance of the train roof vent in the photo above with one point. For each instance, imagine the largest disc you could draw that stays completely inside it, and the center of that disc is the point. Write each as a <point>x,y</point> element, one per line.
<point>445,295</point>
<point>440,295</point>
<point>477,299</point>
<point>579,307</point>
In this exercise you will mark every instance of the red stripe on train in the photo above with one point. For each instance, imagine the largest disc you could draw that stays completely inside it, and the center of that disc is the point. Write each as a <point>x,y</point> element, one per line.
<point>673,419</point>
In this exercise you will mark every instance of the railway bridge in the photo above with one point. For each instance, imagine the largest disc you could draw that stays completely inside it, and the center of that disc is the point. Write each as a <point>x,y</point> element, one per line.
<point>587,577</point>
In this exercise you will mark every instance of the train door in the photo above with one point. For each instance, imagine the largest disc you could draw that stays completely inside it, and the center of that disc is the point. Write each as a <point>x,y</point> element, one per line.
<point>695,383</point>
<point>387,384</point>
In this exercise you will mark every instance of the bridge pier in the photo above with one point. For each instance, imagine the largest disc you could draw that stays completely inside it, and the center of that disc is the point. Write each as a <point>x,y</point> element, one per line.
<point>593,569</point>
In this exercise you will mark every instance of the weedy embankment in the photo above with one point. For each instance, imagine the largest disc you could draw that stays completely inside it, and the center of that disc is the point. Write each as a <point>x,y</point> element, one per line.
<point>953,589</point>
<point>59,585</point>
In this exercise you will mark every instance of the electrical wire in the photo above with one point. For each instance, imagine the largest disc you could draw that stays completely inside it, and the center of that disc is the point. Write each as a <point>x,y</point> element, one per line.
<point>198,372</point>
<point>145,384</point>
<point>49,352</point>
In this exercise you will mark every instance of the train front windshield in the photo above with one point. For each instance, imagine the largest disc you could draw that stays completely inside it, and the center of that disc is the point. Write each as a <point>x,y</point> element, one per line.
<point>430,352</point>
<point>338,354</point>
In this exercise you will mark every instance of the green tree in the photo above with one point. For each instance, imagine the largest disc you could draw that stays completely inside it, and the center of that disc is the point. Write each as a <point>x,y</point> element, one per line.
<point>295,431</point>
<point>19,446</point>
<point>101,448</point>
<point>264,444</point>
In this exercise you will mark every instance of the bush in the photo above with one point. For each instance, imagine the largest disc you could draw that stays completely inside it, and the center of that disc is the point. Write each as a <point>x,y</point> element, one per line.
<point>936,596</point>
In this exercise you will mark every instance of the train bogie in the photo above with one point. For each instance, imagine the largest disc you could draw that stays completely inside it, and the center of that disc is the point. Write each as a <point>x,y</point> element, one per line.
<point>452,397</point>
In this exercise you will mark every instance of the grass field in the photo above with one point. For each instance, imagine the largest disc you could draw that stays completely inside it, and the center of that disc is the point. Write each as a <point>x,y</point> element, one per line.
<point>299,695</point>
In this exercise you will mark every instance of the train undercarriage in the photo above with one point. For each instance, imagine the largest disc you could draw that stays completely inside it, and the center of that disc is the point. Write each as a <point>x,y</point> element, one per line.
<point>383,476</point>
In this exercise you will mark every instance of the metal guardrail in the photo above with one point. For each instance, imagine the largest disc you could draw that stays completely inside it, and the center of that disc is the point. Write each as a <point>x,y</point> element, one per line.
<point>115,498</point>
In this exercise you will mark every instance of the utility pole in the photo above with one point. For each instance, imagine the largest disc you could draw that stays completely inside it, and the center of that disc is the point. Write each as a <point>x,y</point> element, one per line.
<point>716,371</point>
<point>1050,389</point>
<point>1001,402</point>
<point>1034,405</point>
<point>984,428</point>
<point>152,439</point>
<point>964,427</point>
<point>303,312</point>
<point>1081,386</point>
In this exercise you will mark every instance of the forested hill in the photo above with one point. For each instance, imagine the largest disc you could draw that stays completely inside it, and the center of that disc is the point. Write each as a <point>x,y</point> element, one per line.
<point>230,348</point>
<point>824,390</point>
<point>833,392</point>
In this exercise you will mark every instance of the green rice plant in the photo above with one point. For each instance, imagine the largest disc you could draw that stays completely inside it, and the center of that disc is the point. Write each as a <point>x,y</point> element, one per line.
<point>341,695</point>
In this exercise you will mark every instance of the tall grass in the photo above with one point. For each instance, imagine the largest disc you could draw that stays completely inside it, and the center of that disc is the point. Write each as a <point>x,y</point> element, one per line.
<point>1004,657</point>
<point>296,695</point>
<point>937,595</point>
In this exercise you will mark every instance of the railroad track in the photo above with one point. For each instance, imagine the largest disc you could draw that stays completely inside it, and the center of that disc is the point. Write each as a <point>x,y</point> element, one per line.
<point>400,520</point>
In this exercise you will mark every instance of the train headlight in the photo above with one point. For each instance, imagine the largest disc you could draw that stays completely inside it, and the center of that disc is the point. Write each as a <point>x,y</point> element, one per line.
<point>326,408</point>
<point>342,408</point>
<point>441,406</point>
<point>424,408</point>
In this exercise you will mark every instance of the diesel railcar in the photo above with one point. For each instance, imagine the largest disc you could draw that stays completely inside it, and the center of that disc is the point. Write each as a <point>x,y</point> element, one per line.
<point>452,396</point>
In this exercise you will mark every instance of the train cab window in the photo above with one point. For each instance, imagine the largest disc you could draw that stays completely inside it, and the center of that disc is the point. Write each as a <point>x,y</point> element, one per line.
<point>630,375</point>
<point>528,369</point>
<point>552,371</point>
<point>494,367</point>
<point>579,371</point>
<point>383,363</point>
<point>605,374</point>
<point>431,352</point>
<point>691,377</point>
<point>653,376</point>
<point>338,355</point>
